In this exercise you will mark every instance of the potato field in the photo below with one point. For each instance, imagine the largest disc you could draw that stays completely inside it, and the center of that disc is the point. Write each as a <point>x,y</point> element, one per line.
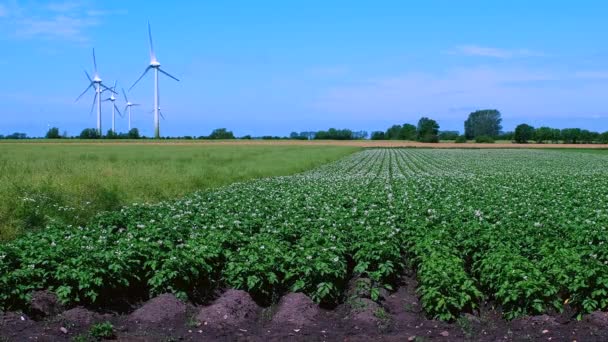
<point>524,230</point>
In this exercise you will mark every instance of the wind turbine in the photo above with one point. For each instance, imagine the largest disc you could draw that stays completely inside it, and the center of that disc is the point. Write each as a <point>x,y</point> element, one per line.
<point>128,107</point>
<point>114,108</point>
<point>95,83</point>
<point>154,64</point>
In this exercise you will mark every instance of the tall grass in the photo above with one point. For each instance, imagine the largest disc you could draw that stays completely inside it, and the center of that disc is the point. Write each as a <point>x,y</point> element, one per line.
<point>69,183</point>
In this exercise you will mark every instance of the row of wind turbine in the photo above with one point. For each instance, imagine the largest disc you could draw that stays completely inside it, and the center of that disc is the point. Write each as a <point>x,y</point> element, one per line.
<point>99,87</point>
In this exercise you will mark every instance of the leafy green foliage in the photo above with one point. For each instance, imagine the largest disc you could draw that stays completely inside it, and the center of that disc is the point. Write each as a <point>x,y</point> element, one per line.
<point>53,133</point>
<point>68,183</point>
<point>335,134</point>
<point>448,135</point>
<point>221,133</point>
<point>523,133</point>
<point>461,139</point>
<point>90,133</point>
<point>485,122</point>
<point>525,230</point>
<point>484,139</point>
<point>428,130</point>
<point>103,330</point>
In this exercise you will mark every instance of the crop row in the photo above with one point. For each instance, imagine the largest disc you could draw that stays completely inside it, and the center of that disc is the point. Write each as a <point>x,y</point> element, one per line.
<point>523,229</point>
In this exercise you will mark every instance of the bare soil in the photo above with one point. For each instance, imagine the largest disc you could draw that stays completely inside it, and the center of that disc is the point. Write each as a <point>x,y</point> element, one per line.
<point>235,316</point>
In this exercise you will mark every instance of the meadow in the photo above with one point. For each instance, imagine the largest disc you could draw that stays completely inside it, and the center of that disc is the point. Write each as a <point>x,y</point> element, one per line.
<point>68,183</point>
<point>523,230</point>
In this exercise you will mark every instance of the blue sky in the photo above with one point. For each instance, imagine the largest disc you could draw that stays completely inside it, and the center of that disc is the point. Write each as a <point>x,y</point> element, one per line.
<point>271,67</point>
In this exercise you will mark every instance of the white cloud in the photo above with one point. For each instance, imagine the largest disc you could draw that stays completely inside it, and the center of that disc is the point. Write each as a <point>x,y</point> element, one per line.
<point>63,7</point>
<point>483,51</point>
<point>57,27</point>
<point>67,20</point>
<point>515,90</point>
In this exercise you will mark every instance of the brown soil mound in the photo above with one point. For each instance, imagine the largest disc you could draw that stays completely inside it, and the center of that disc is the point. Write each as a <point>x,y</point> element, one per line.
<point>598,318</point>
<point>15,322</point>
<point>233,308</point>
<point>160,309</point>
<point>234,317</point>
<point>296,309</point>
<point>366,312</point>
<point>81,317</point>
<point>44,303</point>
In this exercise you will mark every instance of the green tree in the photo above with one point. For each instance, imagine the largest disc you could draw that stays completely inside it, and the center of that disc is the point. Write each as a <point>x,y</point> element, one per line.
<point>588,137</point>
<point>483,123</point>
<point>408,132</point>
<point>543,134</point>
<point>427,130</point>
<point>53,133</point>
<point>448,135</point>
<point>221,133</point>
<point>111,135</point>
<point>523,133</point>
<point>571,135</point>
<point>461,139</point>
<point>335,134</point>
<point>393,133</point>
<point>133,133</point>
<point>89,133</point>
<point>378,135</point>
<point>556,135</point>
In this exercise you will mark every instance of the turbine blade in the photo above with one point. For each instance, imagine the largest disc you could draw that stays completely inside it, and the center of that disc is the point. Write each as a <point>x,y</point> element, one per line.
<point>94,62</point>
<point>93,105</point>
<point>106,88</point>
<point>152,55</point>
<point>118,110</point>
<point>88,76</point>
<point>161,114</point>
<point>125,95</point>
<point>125,110</point>
<point>79,96</point>
<point>135,104</point>
<point>166,73</point>
<point>140,77</point>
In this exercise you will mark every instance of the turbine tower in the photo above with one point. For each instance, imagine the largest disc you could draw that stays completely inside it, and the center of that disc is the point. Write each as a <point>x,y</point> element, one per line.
<point>128,107</point>
<point>154,64</point>
<point>97,84</point>
<point>114,108</point>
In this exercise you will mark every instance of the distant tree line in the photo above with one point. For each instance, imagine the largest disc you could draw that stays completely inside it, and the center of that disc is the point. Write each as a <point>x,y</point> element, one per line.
<point>15,135</point>
<point>427,130</point>
<point>482,126</point>
<point>525,133</point>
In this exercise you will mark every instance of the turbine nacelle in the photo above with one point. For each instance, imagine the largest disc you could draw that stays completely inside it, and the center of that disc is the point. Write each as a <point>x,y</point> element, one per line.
<point>97,85</point>
<point>154,64</point>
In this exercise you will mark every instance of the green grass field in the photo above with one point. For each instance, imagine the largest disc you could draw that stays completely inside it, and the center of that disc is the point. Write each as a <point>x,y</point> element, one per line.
<point>70,183</point>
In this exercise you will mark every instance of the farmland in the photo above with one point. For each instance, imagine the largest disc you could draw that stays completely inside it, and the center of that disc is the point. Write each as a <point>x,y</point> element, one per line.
<point>68,183</point>
<point>522,229</point>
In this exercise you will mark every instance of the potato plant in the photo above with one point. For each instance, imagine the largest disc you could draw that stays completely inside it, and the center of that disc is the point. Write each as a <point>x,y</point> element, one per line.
<point>524,230</point>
